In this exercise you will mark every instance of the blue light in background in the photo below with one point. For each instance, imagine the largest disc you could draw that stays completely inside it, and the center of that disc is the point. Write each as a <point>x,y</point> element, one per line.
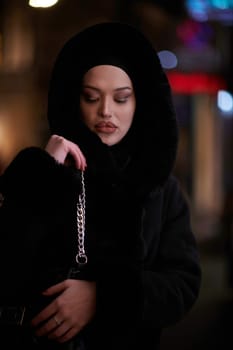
<point>168,59</point>
<point>197,9</point>
<point>204,10</point>
<point>225,103</point>
<point>221,4</point>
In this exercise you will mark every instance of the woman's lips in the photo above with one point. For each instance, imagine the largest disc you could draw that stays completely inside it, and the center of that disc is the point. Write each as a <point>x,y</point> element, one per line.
<point>107,128</point>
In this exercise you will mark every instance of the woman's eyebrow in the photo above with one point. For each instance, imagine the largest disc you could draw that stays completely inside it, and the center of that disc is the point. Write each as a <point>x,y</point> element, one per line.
<point>123,88</point>
<point>117,89</point>
<point>90,87</point>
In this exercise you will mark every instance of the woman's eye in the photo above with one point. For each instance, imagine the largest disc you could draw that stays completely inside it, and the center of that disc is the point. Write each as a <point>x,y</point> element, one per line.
<point>89,98</point>
<point>122,99</point>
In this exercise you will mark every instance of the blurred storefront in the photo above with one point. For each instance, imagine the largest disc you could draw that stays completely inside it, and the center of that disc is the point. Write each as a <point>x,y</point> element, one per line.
<point>203,96</point>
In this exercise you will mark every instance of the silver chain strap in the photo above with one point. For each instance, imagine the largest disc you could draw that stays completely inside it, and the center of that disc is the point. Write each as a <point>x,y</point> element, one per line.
<point>81,257</point>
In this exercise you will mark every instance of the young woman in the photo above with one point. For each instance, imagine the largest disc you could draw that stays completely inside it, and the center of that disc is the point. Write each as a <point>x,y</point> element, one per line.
<point>114,139</point>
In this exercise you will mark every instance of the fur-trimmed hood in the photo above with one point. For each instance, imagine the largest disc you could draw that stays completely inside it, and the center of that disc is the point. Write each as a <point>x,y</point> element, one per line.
<point>152,139</point>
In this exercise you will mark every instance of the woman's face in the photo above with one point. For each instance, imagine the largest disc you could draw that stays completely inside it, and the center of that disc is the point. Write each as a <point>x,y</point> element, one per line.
<point>107,102</point>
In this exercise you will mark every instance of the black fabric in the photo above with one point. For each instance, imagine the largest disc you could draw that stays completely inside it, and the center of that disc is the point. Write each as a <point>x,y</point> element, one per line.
<point>37,243</point>
<point>36,239</point>
<point>14,338</point>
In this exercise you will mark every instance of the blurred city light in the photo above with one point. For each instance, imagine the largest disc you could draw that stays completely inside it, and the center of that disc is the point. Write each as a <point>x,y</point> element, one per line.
<point>168,59</point>
<point>195,83</point>
<point>204,10</point>
<point>225,102</point>
<point>42,3</point>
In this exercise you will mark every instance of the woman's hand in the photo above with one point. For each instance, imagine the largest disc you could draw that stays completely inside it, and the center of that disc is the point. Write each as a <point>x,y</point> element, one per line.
<point>69,312</point>
<point>60,148</point>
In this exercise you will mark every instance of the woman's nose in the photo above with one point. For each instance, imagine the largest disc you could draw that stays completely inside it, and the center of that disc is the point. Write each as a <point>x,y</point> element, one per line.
<point>105,109</point>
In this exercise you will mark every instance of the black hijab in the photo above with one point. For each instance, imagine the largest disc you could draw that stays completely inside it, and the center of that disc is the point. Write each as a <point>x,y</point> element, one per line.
<point>148,150</point>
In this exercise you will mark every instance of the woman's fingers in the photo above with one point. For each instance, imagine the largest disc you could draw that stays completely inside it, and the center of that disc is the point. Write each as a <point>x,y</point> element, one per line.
<point>61,148</point>
<point>79,159</point>
<point>73,307</point>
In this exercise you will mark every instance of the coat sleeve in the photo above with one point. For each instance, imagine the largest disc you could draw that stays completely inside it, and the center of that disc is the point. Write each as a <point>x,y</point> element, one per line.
<point>36,229</point>
<point>172,282</point>
<point>33,169</point>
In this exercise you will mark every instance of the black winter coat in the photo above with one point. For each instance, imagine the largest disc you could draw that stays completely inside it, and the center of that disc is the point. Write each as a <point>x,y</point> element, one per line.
<point>143,257</point>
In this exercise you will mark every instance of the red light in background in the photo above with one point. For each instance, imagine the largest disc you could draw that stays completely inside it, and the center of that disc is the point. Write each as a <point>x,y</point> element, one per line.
<point>194,83</point>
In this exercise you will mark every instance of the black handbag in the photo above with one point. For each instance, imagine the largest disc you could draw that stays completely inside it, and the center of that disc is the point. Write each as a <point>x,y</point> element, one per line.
<point>40,242</point>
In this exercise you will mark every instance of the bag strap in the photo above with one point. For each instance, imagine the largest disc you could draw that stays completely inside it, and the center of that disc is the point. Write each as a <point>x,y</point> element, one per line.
<point>81,257</point>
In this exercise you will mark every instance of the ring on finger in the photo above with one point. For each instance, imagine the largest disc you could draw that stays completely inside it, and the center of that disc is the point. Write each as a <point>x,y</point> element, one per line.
<point>57,321</point>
